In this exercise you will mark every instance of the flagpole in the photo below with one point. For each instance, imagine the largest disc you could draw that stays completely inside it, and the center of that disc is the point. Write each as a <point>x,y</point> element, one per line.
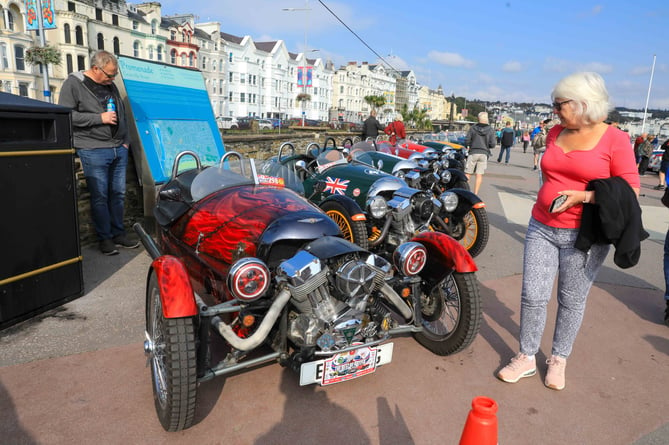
<point>645,110</point>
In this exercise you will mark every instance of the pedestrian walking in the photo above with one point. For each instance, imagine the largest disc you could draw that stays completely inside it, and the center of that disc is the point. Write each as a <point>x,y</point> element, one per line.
<point>396,130</point>
<point>526,140</point>
<point>645,150</point>
<point>371,126</point>
<point>480,140</point>
<point>583,158</point>
<point>507,140</point>
<point>664,165</point>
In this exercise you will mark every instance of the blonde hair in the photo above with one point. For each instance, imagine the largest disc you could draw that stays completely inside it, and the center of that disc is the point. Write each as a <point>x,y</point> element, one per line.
<point>399,117</point>
<point>588,93</point>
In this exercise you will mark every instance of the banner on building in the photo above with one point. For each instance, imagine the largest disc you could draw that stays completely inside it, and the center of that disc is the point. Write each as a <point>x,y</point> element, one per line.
<point>301,70</point>
<point>48,14</point>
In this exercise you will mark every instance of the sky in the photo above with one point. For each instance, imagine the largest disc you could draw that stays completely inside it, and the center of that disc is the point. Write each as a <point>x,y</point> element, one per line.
<point>490,50</point>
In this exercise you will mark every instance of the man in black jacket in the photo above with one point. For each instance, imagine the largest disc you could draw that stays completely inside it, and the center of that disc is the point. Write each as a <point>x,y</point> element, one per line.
<point>480,140</point>
<point>371,126</point>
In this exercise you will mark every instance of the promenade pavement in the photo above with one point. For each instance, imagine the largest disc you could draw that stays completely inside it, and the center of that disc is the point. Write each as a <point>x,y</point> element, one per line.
<point>77,374</point>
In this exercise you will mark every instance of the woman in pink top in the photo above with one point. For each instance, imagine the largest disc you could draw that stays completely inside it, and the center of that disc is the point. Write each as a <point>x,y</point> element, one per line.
<point>582,148</point>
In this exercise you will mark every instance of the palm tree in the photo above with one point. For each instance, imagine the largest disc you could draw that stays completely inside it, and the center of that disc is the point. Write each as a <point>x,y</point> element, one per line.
<point>375,101</point>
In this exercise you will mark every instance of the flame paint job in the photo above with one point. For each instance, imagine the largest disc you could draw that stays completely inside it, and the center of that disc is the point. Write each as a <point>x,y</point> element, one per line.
<point>176,293</point>
<point>231,221</point>
<point>445,251</point>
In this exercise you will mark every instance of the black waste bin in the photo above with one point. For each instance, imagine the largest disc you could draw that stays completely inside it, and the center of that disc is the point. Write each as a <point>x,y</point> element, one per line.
<point>40,253</point>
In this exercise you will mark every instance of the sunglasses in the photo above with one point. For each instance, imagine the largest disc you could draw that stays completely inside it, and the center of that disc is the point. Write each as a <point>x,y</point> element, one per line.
<point>558,105</point>
<point>111,76</point>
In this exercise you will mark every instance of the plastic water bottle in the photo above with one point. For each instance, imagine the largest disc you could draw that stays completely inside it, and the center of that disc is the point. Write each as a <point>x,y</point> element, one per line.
<point>111,105</point>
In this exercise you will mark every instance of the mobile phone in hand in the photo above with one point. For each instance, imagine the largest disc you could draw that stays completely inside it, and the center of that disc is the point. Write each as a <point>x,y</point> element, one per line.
<point>557,202</point>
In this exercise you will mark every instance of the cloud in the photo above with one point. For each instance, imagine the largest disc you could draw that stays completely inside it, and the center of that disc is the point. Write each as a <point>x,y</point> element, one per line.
<point>601,68</point>
<point>450,59</point>
<point>512,66</point>
<point>555,65</point>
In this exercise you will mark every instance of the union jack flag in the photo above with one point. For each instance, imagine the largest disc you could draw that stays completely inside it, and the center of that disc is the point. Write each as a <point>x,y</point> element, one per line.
<point>336,186</point>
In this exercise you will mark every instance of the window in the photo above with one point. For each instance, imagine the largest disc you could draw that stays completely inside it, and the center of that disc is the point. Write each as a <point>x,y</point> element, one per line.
<point>135,48</point>
<point>81,63</point>
<point>4,59</point>
<point>191,59</point>
<point>173,34</point>
<point>150,52</point>
<point>230,97</point>
<point>204,63</point>
<point>242,97</point>
<point>230,57</point>
<point>220,85</point>
<point>213,65</point>
<point>135,25</point>
<point>183,59</point>
<point>79,33</point>
<point>117,46</point>
<point>220,65</point>
<point>242,78</point>
<point>18,58</point>
<point>71,7</point>
<point>98,14</point>
<point>70,64</point>
<point>66,32</point>
<point>160,53</point>
<point>23,89</point>
<point>230,77</point>
<point>154,26</point>
<point>101,41</point>
<point>173,56</point>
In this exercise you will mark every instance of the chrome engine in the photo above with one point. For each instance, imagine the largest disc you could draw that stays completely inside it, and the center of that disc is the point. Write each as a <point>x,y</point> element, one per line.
<point>332,299</point>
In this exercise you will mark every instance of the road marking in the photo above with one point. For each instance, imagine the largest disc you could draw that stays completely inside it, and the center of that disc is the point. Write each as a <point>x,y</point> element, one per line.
<point>517,209</point>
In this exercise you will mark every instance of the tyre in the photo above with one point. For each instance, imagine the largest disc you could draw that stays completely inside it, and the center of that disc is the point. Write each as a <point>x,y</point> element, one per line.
<point>171,348</point>
<point>451,314</point>
<point>353,231</point>
<point>472,231</point>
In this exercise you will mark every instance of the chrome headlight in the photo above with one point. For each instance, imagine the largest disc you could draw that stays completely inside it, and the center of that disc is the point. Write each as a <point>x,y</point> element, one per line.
<point>445,176</point>
<point>248,279</point>
<point>377,207</point>
<point>410,258</point>
<point>449,200</point>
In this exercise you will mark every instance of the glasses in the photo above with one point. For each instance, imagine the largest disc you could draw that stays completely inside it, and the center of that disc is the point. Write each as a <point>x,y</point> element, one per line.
<point>558,105</point>
<point>111,76</point>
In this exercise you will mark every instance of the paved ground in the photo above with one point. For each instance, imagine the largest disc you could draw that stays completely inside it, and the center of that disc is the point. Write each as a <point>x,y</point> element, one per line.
<point>77,373</point>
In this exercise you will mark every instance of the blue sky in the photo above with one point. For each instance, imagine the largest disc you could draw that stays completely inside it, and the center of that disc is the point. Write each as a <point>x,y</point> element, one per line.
<point>489,50</point>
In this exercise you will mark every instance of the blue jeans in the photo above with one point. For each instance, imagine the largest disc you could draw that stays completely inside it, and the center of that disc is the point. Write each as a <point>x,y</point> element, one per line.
<point>104,170</point>
<point>666,266</point>
<point>550,252</point>
<point>501,152</point>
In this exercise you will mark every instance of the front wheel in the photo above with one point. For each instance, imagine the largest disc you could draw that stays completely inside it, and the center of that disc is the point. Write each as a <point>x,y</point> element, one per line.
<point>451,313</point>
<point>353,231</point>
<point>170,345</point>
<point>472,231</point>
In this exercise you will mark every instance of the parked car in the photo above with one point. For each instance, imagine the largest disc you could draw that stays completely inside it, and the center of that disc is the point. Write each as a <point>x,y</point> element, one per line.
<point>244,123</point>
<point>227,122</point>
<point>265,124</point>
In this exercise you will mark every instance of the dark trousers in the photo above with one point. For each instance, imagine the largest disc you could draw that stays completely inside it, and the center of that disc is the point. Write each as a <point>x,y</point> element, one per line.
<point>643,165</point>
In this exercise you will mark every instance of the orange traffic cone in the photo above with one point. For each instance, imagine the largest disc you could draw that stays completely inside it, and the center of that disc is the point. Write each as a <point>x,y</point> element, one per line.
<point>481,426</point>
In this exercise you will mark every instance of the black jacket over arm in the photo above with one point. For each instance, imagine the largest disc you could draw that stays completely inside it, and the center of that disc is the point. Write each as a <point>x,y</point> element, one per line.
<point>615,219</point>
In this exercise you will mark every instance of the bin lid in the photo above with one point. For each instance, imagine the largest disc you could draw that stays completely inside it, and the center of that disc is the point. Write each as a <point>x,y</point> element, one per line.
<point>12,102</point>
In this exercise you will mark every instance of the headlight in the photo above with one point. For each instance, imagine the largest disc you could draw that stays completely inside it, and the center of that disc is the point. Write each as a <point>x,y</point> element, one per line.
<point>410,258</point>
<point>445,176</point>
<point>377,207</point>
<point>449,200</point>
<point>248,279</point>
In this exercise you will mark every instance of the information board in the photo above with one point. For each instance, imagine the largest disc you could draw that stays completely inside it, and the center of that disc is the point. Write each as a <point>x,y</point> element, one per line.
<point>171,113</point>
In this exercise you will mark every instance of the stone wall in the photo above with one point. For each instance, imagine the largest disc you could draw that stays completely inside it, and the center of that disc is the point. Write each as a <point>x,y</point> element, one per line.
<point>258,146</point>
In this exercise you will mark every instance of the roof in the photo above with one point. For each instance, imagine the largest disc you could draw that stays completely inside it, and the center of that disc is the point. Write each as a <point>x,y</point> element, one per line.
<point>231,38</point>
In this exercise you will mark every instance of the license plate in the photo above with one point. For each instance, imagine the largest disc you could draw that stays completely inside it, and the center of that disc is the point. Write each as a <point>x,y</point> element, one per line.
<point>346,365</point>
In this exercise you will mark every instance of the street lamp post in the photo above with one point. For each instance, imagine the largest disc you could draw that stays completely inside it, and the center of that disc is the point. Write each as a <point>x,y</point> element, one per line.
<point>306,9</point>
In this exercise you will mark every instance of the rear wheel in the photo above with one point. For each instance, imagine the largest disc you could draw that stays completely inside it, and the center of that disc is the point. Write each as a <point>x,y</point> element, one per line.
<point>170,345</point>
<point>473,231</point>
<point>353,231</point>
<point>451,314</point>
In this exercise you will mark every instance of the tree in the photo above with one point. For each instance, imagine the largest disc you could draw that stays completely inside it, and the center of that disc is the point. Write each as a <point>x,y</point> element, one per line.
<point>375,101</point>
